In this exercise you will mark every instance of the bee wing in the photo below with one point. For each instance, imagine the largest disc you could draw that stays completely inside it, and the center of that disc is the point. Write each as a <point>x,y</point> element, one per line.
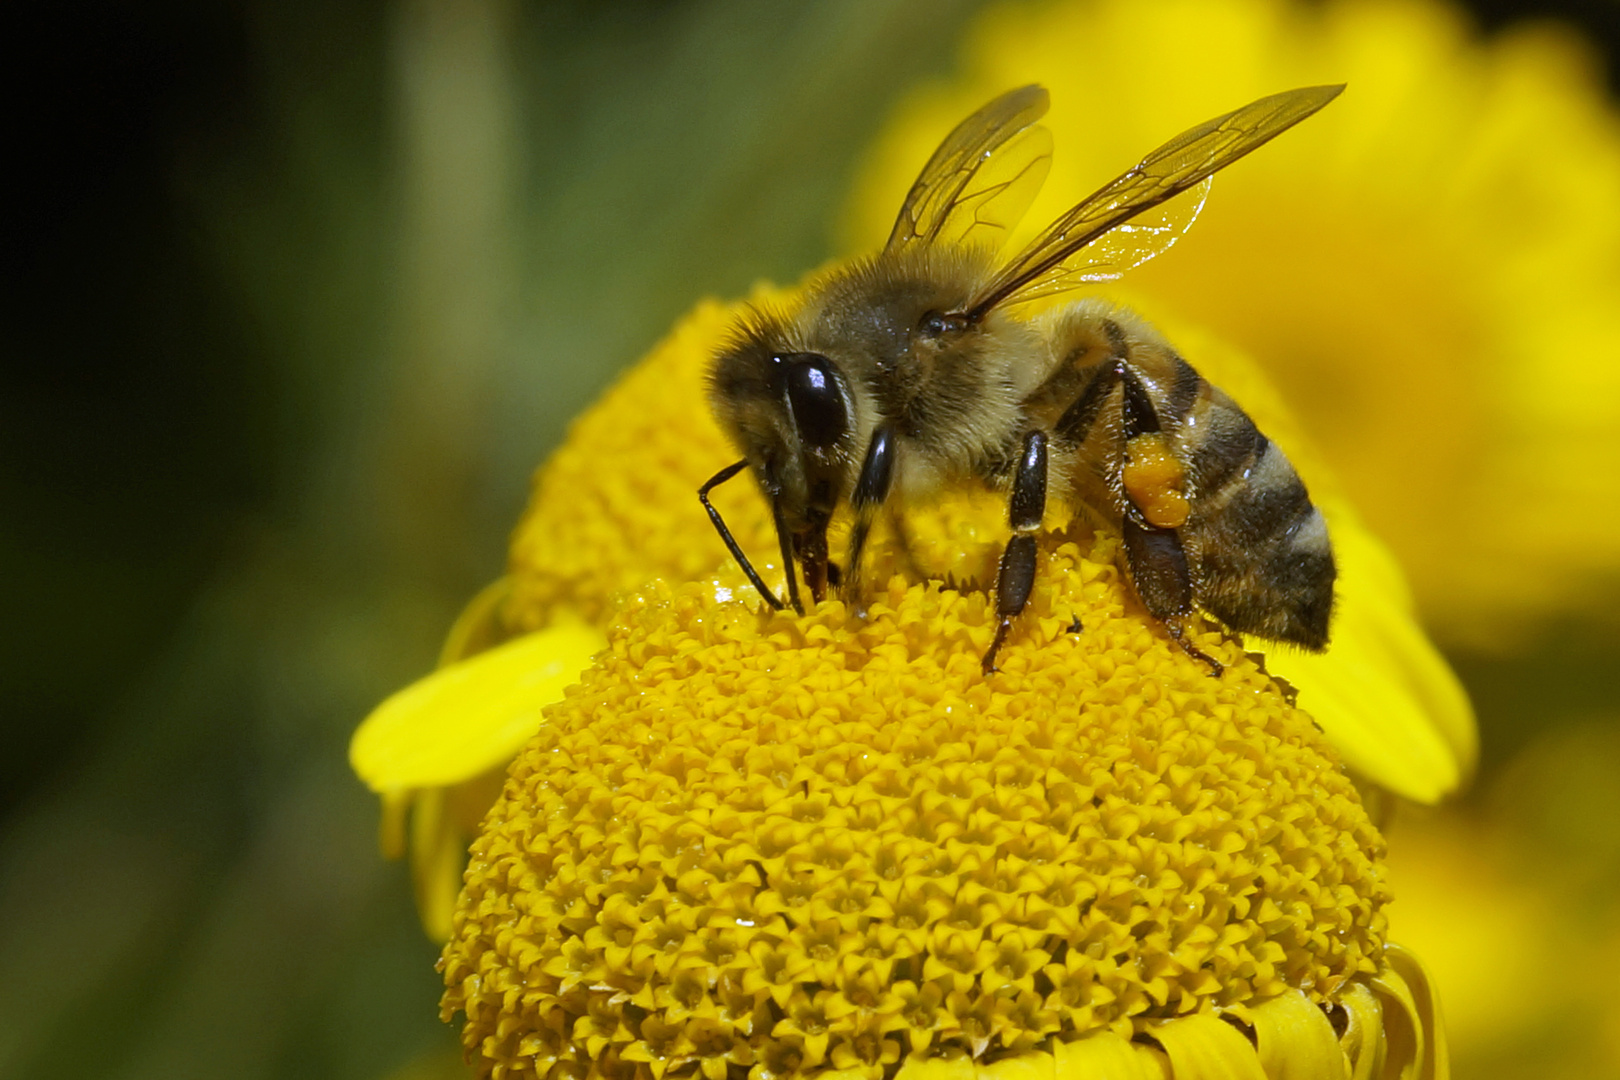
<point>1128,245</point>
<point>1184,162</point>
<point>982,178</point>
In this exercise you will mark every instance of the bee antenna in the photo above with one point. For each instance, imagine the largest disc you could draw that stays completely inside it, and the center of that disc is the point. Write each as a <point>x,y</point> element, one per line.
<point>731,544</point>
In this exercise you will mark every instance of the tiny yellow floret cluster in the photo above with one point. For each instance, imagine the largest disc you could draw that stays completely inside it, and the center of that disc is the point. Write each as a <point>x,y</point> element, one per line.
<point>749,843</point>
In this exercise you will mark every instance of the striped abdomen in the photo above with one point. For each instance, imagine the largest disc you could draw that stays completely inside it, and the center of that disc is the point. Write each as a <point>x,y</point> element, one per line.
<point>1222,521</point>
<point>1259,549</point>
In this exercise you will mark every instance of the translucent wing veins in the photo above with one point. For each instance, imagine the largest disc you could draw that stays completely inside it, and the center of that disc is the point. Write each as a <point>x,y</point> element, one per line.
<point>940,201</point>
<point>1179,164</point>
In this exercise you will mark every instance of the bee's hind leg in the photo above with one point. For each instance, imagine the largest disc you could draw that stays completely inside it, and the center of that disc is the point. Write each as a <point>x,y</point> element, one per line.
<point>1155,507</point>
<point>1178,630</point>
<point>1025,510</point>
<point>1159,570</point>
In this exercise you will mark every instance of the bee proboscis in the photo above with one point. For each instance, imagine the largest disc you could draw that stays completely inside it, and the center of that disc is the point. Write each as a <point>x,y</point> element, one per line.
<point>905,371</point>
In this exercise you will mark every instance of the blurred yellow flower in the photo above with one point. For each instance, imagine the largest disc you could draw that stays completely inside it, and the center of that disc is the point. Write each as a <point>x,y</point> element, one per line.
<point>1427,269</point>
<point>1537,858</point>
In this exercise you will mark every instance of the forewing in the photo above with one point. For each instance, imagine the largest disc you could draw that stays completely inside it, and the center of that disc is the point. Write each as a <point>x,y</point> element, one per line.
<point>982,178</point>
<point>1184,162</point>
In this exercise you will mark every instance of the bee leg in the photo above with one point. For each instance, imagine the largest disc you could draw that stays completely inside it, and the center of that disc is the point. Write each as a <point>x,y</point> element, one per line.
<point>1158,561</point>
<point>785,540</point>
<point>871,489</point>
<point>1159,570</point>
<point>1025,510</point>
<point>1178,630</point>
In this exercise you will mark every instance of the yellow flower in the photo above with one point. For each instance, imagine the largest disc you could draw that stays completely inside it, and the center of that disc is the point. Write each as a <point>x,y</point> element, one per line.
<point>1537,855</point>
<point>1427,268</point>
<point>828,845</point>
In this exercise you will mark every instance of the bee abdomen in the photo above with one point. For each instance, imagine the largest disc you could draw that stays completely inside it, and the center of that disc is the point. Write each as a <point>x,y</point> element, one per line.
<point>1266,564</point>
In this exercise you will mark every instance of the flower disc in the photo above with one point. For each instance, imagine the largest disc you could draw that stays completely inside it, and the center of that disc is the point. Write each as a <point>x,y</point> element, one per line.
<point>754,844</point>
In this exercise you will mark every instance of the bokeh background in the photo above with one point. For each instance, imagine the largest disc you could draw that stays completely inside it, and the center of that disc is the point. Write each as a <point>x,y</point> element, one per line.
<point>297,295</point>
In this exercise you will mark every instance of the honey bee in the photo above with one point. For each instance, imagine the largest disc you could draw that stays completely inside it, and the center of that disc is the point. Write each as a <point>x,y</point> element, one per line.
<point>906,371</point>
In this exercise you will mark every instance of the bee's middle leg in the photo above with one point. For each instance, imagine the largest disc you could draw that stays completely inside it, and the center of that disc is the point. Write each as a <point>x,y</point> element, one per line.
<point>1025,509</point>
<point>871,490</point>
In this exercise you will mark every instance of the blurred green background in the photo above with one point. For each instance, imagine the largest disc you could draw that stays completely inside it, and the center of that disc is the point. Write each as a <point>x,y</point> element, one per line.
<point>297,296</point>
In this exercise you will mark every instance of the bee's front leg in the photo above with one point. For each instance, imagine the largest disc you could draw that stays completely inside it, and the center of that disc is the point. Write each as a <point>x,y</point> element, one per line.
<point>1025,510</point>
<point>871,489</point>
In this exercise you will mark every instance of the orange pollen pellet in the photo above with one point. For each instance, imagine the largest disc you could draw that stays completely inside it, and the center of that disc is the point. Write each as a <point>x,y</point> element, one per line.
<point>1154,479</point>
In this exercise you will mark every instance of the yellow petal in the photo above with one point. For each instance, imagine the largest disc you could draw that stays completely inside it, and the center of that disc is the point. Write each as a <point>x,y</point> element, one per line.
<point>438,852</point>
<point>1382,693</point>
<point>1203,1047</point>
<point>1364,1037</point>
<point>1296,1042</point>
<point>1429,1015</point>
<point>1414,1026</point>
<point>1104,1056</point>
<point>471,716</point>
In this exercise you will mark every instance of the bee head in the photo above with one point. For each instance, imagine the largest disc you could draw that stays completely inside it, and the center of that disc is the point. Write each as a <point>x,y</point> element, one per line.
<point>792,412</point>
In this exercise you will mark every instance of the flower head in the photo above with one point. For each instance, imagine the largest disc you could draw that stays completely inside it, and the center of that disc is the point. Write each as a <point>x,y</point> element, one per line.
<point>828,843</point>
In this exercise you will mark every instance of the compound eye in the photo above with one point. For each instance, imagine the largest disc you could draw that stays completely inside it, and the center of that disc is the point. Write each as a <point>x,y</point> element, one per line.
<point>816,398</point>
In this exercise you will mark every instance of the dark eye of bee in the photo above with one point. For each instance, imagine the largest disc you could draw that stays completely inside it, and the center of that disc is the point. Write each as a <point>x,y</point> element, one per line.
<point>815,398</point>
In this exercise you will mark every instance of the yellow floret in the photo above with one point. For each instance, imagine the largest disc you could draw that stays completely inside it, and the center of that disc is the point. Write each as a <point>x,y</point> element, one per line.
<point>827,843</point>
